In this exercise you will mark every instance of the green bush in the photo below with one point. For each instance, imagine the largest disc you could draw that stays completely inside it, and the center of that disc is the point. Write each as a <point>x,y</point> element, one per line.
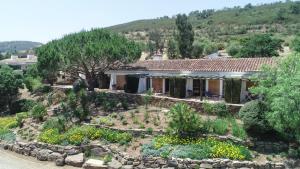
<point>8,123</point>
<point>100,98</point>
<point>20,117</point>
<point>105,121</point>
<point>221,110</point>
<point>208,107</point>
<point>22,105</point>
<point>32,84</point>
<point>194,148</point>
<point>55,123</point>
<point>50,136</point>
<point>193,151</point>
<point>7,136</point>
<point>38,112</point>
<point>125,104</point>
<point>220,126</point>
<point>149,130</point>
<point>184,121</point>
<point>82,135</point>
<point>253,116</point>
<point>237,130</point>
<point>109,106</point>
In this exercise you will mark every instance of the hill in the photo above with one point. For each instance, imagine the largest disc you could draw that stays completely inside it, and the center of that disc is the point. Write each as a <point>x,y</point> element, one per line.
<point>280,18</point>
<point>14,46</point>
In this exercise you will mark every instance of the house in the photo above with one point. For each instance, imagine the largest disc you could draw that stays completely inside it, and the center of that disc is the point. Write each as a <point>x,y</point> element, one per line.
<point>20,61</point>
<point>227,78</point>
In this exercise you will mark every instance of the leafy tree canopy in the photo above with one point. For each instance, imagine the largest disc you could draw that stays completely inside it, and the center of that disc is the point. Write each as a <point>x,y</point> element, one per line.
<point>280,87</point>
<point>10,82</point>
<point>90,53</point>
<point>296,44</point>
<point>261,45</point>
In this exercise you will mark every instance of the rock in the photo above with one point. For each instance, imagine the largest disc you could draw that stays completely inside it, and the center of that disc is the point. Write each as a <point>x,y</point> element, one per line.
<point>75,160</point>
<point>94,164</point>
<point>172,163</point>
<point>71,151</point>
<point>98,152</point>
<point>54,156</point>
<point>60,162</point>
<point>42,155</point>
<point>205,165</point>
<point>114,164</point>
<point>127,167</point>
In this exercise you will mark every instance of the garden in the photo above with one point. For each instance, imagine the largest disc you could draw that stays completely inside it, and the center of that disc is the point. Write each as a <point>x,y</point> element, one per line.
<point>77,117</point>
<point>263,131</point>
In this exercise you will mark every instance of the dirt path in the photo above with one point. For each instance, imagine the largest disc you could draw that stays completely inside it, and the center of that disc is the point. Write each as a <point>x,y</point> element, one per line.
<point>9,160</point>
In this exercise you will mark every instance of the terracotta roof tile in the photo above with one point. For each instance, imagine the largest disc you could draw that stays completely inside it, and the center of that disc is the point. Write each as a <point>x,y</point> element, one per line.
<point>202,65</point>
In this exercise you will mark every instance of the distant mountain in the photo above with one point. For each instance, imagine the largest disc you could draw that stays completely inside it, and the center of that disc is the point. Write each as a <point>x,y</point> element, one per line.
<point>15,46</point>
<point>280,18</point>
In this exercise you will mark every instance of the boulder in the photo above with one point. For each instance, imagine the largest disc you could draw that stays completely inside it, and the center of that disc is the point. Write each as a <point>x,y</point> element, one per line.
<point>54,156</point>
<point>43,154</point>
<point>60,162</point>
<point>94,164</point>
<point>98,152</point>
<point>75,160</point>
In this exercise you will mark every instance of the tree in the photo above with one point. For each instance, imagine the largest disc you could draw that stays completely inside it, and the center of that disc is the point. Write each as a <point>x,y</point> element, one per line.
<point>10,82</point>
<point>173,52</point>
<point>156,37</point>
<point>50,60</point>
<point>198,49</point>
<point>280,88</point>
<point>185,37</point>
<point>248,6</point>
<point>280,14</point>
<point>233,48</point>
<point>261,45</point>
<point>90,53</point>
<point>295,45</point>
<point>295,8</point>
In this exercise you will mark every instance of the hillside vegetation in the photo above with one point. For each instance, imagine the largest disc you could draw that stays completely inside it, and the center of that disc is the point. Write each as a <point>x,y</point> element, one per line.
<point>281,19</point>
<point>14,46</point>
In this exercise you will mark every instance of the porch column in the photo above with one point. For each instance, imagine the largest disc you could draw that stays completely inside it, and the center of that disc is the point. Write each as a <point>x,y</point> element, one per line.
<point>142,85</point>
<point>113,80</point>
<point>189,86</point>
<point>151,87</point>
<point>243,91</point>
<point>206,85</point>
<point>221,88</point>
<point>164,86</point>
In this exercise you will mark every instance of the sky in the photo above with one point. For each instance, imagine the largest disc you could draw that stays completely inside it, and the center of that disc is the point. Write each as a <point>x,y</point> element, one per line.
<point>45,20</point>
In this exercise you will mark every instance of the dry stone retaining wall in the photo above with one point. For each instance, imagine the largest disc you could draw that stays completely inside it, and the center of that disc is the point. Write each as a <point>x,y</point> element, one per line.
<point>73,155</point>
<point>165,102</point>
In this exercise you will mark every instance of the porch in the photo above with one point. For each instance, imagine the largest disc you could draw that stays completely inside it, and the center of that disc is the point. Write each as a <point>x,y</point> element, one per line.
<point>211,89</point>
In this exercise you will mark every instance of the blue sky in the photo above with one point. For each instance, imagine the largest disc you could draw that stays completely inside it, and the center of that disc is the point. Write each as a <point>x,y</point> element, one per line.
<point>44,20</point>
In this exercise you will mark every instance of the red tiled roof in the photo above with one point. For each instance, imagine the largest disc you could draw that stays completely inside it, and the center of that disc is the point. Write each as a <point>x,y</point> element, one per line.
<point>202,65</point>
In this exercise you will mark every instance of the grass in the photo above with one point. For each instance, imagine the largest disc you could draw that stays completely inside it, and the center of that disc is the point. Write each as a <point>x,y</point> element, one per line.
<point>220,126</point>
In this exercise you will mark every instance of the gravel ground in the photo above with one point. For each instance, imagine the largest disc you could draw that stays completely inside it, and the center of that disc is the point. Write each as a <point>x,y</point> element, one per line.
<point>9,160</point>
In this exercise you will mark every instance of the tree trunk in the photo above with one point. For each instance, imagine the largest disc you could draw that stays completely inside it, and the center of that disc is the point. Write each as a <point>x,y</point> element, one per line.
<point>91,81</point>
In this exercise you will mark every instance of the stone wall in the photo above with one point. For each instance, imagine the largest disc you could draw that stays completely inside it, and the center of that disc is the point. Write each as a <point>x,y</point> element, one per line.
<point>74,156</point>
<point>166,102</point>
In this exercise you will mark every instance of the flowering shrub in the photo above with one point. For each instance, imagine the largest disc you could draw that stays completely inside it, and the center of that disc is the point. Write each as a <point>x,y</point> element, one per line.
<point>8,122</point>
<point>173,146</point>
<point>50,136</point>
<point>79,135</point>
